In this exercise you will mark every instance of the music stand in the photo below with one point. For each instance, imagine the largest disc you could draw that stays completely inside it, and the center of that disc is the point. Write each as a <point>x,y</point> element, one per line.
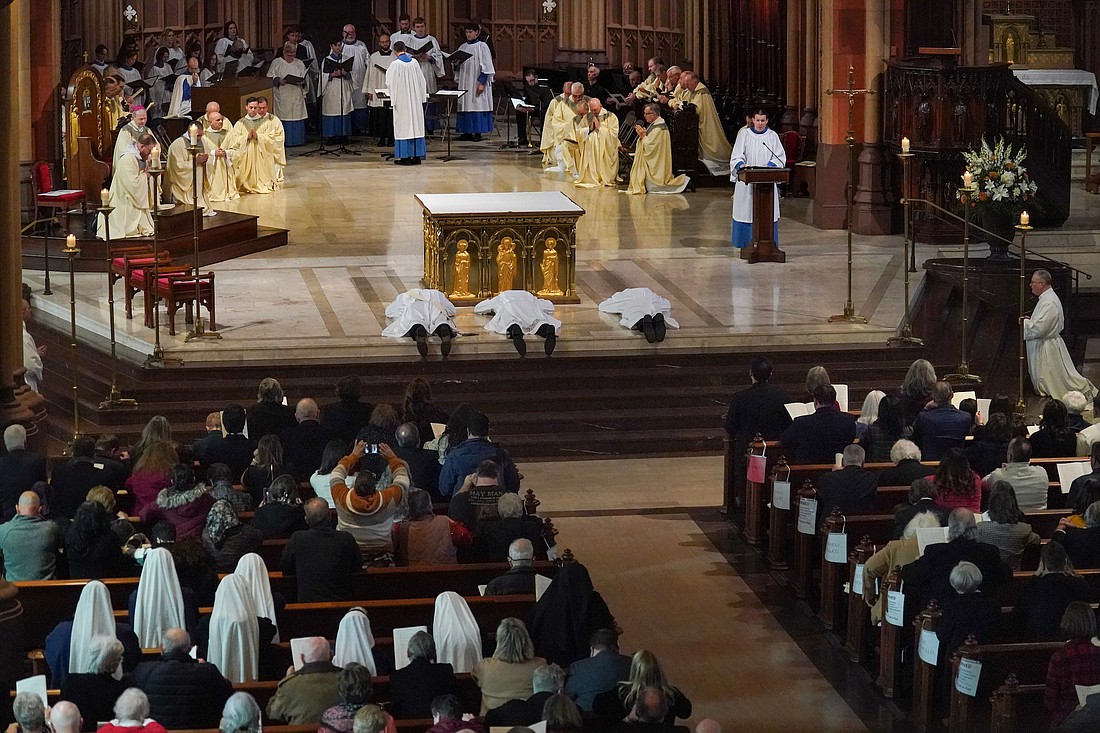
<point>450,97</point>
<point>387,101</point>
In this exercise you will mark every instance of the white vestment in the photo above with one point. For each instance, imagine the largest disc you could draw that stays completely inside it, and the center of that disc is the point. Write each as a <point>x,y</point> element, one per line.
<point>93,617</point>
<point>221,48</point>
<point>129,75</point>
<point>181,179</point>
<point>752,148</point>
<point>1052,370</point>
<point>377,65</point>
<point>180,107</point>
<point>126,135</point>
<point>358,51</point>
<point>354,641</point>
<point>251,567</point>
<point>467,76</point>
<point>131,198</point>
<point>234,631</point>
<point>158,92</point>
<point>31,361</point>
<point>520,308</point>
<point>159,604</point>
<point>419,307</point>
<point>336,97</point>
<point>290,99</point>
<point>633,304</point>
<point>456,633</point>
<point>432,67</point>
<point>222,180</point>
<point>407,94</point>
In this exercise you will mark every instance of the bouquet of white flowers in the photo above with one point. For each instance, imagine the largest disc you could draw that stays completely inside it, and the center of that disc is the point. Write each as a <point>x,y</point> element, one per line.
<point>1002,183</point>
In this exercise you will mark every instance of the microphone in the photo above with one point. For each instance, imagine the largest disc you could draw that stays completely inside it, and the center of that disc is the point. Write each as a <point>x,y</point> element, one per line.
<point>776,157</point>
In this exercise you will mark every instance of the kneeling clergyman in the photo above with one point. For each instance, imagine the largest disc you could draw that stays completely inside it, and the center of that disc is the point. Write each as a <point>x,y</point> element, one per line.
<point>652,169</point>
<point>599,164</point>
<point>419,312</point>
<point>255,161</point>
<point>182,180</point>
<point>1052,370</point>
<point>130,194</point>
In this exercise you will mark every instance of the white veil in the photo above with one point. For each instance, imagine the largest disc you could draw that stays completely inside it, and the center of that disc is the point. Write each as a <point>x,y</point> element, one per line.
<point>456,633</point>
<point>354,641</point>
<point>234,631</point>
<point>159,604</point>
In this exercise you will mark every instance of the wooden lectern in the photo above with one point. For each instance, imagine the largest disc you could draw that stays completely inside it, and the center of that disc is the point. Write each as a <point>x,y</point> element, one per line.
<point>763,247</point>
<point>231,95</point>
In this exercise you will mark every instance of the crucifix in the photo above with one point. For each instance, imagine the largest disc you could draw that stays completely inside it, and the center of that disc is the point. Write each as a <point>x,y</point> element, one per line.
<point>851,92</point>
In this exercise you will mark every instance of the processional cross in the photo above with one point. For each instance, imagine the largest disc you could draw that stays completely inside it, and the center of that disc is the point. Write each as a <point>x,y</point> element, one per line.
<point>851,92</point>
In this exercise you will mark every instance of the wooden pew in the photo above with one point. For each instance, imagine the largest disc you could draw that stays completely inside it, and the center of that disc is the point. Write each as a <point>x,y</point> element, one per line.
<point>1025,662</point>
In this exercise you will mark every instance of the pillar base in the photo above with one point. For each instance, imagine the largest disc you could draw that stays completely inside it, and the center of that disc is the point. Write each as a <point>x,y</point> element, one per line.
<point>873,209</point>
<point>830,205</point>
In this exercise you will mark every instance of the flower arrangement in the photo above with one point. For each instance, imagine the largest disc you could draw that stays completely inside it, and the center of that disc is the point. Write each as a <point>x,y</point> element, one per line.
<point>1001,181</point>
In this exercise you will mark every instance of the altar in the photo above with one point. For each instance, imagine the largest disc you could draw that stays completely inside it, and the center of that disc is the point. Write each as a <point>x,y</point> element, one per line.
<point>477,245</point>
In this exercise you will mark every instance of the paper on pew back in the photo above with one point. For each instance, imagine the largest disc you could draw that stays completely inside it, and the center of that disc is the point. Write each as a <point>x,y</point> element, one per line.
<point>1067,472</point>
<point>930,536</point>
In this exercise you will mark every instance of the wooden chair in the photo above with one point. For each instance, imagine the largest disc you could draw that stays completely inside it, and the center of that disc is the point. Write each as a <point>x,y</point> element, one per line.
<point>178,287</point>
<point>50,201</point>
<point>128,264</point>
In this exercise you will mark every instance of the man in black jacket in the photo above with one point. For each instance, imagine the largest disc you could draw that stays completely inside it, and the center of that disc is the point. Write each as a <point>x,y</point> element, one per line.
<point>183,693</point>
<point>757,409</point>
<point>416,685</point>
<point>817,438</point>
<point>72,480</point>
<point>19,469</point>
<point>423,464</point>
<point>304,443</point>
<point>1082,543</point>
<point>922,498</point>
<point>235,450</point>
<point>350,415</point>
<point>851,489</point>
<point>907,466</point>
<point>212,437</point>
<point>520,577</point>
<point>322,558</point>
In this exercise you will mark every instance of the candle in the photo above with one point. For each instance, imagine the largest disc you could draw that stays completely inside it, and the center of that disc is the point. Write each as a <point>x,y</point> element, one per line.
<point>968,180</point>
<point>105,197</point>
<point>154,157</point>
<point>1025,219</point>
<point>70,241</point>
<point>905,145</point>
<point>194,134</point>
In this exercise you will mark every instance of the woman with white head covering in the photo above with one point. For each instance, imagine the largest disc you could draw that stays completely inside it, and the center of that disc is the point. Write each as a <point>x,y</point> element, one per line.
<point>159,602</point>
<point>234,631</point>
<point>93,617</point>
<point>251,567</point>
<point>354,641</point>
<point>457,635</point>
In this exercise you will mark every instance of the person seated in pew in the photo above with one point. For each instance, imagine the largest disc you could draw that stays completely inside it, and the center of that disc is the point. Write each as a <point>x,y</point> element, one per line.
<point>563,716</point>
<point>152,473</point>
<point>349,414</point>
<point>546,681</point>
<point>29,713</point>
<point>226,539</point>
<point>941,425</point>
<point>1090,435</point>
<point>305,442</point>
<point>1078,484</point>
<point>599,672</point>
<point>1088,492</point>
<point>268,462</point>
<point>817,438</point>
<point>520,576</point>
<point>868,413</point>
<point>355,643</point>
<point>305,694</point>
<point>320,558</point>
<point>448,717</point>
<point>915,391</point>
<point>72,480</point>
<point>1054,439</point>
<point>1002,526</point>
<point>268,605</point>
<point>321,480</point>
<point>928,578</point>
<point>118,521</point>
<point>957,485</point>
<point>968,611</point>
<point>65,717</point>
<point>756,409</point>
<point>159,602</point>
<point>1084,719</point>
<point>507,674</point>
<point>1076,663</point>
<point>109,453</point>
<point>423,464</point>
<point>1082,543</point>
<point>269,415</point>
<point>885,431</point>
<point>366,512</point>
<point>906,457</point>
<point>1045,596</point>
<point>95,690</point>
<point>196,568</point>
<point>899,552</point>
<point>567,614</point>
<point>415,687</point>
<point>182,691</point>
<point>645,673</point>
<point>92,548</point>
<point>495,536</point>
<point>476,499</point>
<point>851,489</point>
<point>456,631</point>
<point>66,647</point>
<point>1030,482</point>
<point>970,407</point>
<point>280,515</point>
<point>235,450</point>
<point>356,689</point>
<point>424,538</point>
<point>922,499</point>
<point>241,714</point>
<point>220,478</point>
<point>1076,403</point>
<point>132,715</point>
<point>987,451</point>
<point>185,504</point>
<point>213,435</point>
<point>373,719</point>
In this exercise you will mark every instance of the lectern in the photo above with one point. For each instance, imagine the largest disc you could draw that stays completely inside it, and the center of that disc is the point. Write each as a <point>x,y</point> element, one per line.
<point>763,247</point>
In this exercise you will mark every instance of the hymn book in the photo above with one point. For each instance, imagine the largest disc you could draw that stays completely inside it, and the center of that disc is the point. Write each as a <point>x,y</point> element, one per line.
<point>423,49</point>
<point>330,65</point>
<point>458,57</point>
<point>1067,472</point>
<point>294,80</point>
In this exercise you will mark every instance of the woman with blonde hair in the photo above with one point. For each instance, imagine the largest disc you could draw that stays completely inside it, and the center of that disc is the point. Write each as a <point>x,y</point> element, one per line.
<point>152,474</point>
<point>507,674</point>
<point>816,377</point>
<point>158,428</point>
<point>645,671</point>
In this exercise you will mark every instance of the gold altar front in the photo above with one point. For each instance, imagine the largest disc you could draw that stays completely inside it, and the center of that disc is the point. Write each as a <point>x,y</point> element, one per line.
<point>471,256</point>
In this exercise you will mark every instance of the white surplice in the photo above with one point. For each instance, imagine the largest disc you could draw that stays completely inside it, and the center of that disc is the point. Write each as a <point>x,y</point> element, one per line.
<point>419,307</point>
<point>1052,370</point>
<point>407,94</point>
<point>359,52</point>
<point>634,304</point>
<point>221,48</point>
<point>467,76</point>
<point>336,96</point>
<point>377,65</point>
<point>290,99</point>
<point>520,308</point>
<point>432,67</point>
<point>752,148</point>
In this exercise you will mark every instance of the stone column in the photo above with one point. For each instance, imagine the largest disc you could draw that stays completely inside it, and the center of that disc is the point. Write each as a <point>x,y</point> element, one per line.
<point>795,66</point>
<point>836,42</point>
<point>872,209</point>
<point>811,67</point>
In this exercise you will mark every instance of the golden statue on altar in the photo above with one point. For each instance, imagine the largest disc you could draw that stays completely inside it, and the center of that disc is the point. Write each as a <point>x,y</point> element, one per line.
<point>549,269</point>
<point>461,287</point>
<point>506,264</point>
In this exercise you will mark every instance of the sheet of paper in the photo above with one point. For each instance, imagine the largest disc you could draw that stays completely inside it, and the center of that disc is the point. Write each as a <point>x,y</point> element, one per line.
<point>857,579</point>
<point>841,396</point>
<point>401,638</point>
<point>481,589</point>
<point>541,584</point>
<point>194,651</point>
<point>1032,429</point>
<point>958,397</point>
<point>1083,691</point>
<point>929,647</point>
<point>297,649</point>
<point>437,429</point>
<point>1067,472</point>
<point>539,727</point>
<point>895,608</point>
<point>36,684</point>
<point>838,460</point>
<point>807,515</point>
<point>781,495</point>
<point>836,548</point>
<point>552,553</point>
<point>930,536</point>
<point>970,671</point>
<point>983,407</point>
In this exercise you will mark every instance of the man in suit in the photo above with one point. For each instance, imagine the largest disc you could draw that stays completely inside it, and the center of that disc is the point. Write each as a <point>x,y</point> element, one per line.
<point>922,498</point>
<point>756,409</point>
<point>851,489</point>
<point>415,686</point>
<point>929,578</point>
<point>817,438</point>
<point>1078,484</point>
<point>235,450</point>
<point>601,672</point>
<point>941,425</point>
<point>1082,543</point>
<point>423,464</point>
<point>304,443</point>
<point>907,468</point>
<point>546,681</point>
<point>350,415</point>
<point>19,469</point>
<point>213,435</point>
<point>72,480</point>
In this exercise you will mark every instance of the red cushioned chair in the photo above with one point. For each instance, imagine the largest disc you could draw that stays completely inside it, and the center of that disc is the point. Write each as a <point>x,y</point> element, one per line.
<point>49,201</point>
<point>802,171</point>
<point>177,289</point>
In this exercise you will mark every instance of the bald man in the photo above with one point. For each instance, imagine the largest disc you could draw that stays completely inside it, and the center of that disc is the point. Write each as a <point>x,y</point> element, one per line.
<point>65,717</point>
<point>211,108</point>
<point>304,695</point>
<point>304,443</point>
<point>29,543</point>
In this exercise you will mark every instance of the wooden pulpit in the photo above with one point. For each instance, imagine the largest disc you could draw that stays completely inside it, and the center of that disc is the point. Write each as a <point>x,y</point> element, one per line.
<point>763,247</point>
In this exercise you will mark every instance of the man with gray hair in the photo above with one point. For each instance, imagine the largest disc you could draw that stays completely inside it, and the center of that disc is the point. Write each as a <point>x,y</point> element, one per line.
<point>414,687</point>
<point>29,712</point>
<point>495,537</point>
<point>423,464</point>
<point>304,443</point>
<point>1029,482</point>
<point>968,611</point>
<point>182,692</point>
<point>929,578</point>
<point>600,672</point>
<point>906,457</point>
<point>546,681</point>
<point>941,425</point>
<point>1082,543</point>
<point>1048,361</point>
<point>1076,403</point>
<point>922,498</point>
<point>29,543</point>
<point>520,577</point>
<point>851,489</point>
<point>306,693</point>
<point>19,469</point>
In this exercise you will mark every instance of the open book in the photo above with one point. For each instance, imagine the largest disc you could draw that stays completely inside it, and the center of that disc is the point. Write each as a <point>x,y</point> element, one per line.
<point>1067,472</point>
<point>983,404</point>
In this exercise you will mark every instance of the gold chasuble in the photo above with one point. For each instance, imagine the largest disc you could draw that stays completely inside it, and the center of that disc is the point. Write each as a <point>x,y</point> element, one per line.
<point>714,149</point>
<point>256,160</point>
<point>180,177</point>
<point>652,169</point>
<point>131,198</point>
<point>558,116</point>
<point>275,131</point>
<point>599,161</point>
<point>221,179</point>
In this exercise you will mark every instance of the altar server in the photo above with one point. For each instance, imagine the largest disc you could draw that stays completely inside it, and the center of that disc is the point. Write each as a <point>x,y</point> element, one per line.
<point>181,179</point>
<point>130,132</point>
<point>130,194</point>
<point>599,164</point>
<point>255,160</point>
<point>407,94</point>
<point>380,122</point>
<point>518,312</point>
<point>714,148</point>
<point>335,94</point>
<point>652,168</point>
<point>290,96</point>
<point>419,312</point>
<point>758,145</point>
<point>180,105</point>
<point>641,310</point>
<point>222,178</point>
<point>475,76</point>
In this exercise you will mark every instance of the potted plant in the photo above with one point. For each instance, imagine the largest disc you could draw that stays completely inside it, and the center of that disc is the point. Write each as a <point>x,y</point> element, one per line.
<point>1001,190</point>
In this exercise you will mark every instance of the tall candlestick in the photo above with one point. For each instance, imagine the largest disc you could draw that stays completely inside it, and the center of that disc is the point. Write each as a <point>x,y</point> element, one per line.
<point>905,145</point>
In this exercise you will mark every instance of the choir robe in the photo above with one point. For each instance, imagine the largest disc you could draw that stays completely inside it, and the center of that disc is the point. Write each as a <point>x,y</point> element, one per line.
<point>335,103</point>
<point>255,159</point>
<point>159,94</point>
<point>290,100</point>
<point>359,111</point>
<point>221,48</point>
<point>130,197</point>
<point>180,106</point>
<point>222,177</point>
<point>652,169</point>
<point>380,123</point>
<point>599,159</point>
<point>752,148</point>
<point>475,111</point>
<point>1048,361</point>
<point>432,67</point>
<point>408,93</point>
<point>714,148</point>
<point>179,171</point>
<point>128,134</point>
<point>129,74</point>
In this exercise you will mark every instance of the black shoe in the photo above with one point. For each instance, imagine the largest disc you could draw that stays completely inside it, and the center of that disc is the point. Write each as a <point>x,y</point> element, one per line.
<point>416,161</point>
<point>445,341</point>
<point>520,344</point>
<point>477,137</point>
<point>649,330</point>
<point>422,342</point>
<point>659,326</point>
<point>465,138</point>
<point>381,141</point>
<point>550,342</point>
